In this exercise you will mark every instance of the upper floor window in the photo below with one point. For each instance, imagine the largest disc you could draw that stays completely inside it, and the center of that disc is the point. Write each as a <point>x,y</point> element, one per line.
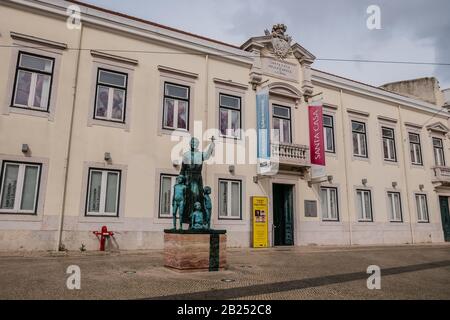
<point>364,205</point>
<point>19,187</point>
<point>176,107</point>
<point>438,148</point>
<point>329,203</point>
<point>422,208</point>
<point>389,144</point>
<point>395,206</point>
<point>415,149</point>
<point>166,184</point>
<point>230,115</point>
<point>328,133</point>
<point>103,192</point>
<point>359,139</point>
<point>110,102</point>
<point>32,85</point>
<point>230,198</point>
<point>282,124</point>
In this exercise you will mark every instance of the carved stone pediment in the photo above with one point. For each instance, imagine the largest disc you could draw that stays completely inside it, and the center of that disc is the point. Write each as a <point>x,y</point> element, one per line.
<point>438,127</point>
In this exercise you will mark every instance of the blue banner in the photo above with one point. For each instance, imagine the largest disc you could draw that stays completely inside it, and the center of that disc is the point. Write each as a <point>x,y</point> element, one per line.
<point>263,123</point>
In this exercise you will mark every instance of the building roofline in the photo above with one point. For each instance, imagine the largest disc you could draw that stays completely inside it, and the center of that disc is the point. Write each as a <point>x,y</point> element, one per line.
<point>333,80</point>
<point>155,24</point>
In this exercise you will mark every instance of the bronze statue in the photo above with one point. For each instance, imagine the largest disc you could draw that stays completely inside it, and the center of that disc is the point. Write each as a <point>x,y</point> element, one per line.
<point>178,200</point>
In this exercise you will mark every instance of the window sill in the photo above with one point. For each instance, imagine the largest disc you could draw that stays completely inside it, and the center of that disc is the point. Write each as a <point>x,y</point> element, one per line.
<point>29,112</point>
<point>108,123</point>
<point>15,216</point>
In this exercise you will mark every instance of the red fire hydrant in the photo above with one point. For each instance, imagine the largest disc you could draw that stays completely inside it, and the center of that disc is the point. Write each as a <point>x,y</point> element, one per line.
<point>103,235</point>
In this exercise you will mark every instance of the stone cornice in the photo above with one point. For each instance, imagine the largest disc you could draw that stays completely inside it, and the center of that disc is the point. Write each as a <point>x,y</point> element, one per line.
<point>38,41</point>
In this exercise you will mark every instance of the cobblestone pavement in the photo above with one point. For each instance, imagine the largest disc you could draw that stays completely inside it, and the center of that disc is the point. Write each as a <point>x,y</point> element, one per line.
<point>407,272</point>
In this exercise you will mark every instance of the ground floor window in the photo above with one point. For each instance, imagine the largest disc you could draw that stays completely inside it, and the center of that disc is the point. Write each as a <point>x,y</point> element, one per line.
<point>230,198</point>
<point>103,192</point>
<point>422,208</point>
<point>395,207</point>
<point>19,187</point>
<point>329,204</point>
<point>166,184</point>
<point>364,205</point>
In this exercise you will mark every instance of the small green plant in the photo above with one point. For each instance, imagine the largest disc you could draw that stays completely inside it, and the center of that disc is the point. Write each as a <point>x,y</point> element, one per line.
<point>83,247</point>
<point>62,248</point>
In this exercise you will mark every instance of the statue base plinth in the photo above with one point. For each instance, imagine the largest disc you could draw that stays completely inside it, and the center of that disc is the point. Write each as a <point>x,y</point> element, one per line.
<point>195,250</point>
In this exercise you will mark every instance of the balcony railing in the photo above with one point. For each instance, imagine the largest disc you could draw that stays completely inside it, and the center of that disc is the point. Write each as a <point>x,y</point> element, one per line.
<point>441,174</point>
<point>290,154</point>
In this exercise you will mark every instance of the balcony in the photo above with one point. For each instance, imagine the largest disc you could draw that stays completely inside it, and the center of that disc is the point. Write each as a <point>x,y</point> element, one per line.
<point>290,156</point>
<point>441,175</point>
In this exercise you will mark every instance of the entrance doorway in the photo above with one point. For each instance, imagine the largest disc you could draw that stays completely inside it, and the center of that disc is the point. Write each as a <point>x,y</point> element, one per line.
<point>445,215</point>
<point>283,214</point>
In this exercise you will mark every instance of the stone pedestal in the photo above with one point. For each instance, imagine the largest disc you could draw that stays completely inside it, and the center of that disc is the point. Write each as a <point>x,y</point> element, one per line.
<point>189,250</point>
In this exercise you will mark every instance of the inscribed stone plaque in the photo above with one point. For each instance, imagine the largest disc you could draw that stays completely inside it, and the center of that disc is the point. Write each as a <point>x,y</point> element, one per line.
<point>280,69</point>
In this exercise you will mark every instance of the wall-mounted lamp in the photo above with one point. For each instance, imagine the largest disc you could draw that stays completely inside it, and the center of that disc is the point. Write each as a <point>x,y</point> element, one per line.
<point>364,181</point>
<point>107,156</point>
<point>330,179</point>
<point>231,169</point>
<point>25,148</point>
<point>394,184</point>
<point>421,186</point>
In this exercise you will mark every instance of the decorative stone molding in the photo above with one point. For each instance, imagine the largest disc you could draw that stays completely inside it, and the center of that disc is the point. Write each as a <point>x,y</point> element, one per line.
<point>38,41</point>
<point>178,72</point>
<point>358,112</point>
<point>388,119</point>
<point>231,83</point>
<point>285,90</point>
<point>438,127</point>
<point>413,125</point>
<point>104,55</point>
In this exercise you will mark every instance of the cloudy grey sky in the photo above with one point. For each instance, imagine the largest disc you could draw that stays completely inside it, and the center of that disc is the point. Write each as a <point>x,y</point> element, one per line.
<point>412,30</point>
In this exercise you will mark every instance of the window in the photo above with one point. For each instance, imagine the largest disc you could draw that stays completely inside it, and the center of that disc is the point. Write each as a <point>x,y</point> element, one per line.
<point>282,124</point>
<point>438,152</point>
<point>395,207</point>
<point>230,199</point>
<point>19,187</point>
<point>110,102</point>
<point>176,107</point>
<point>103,193</point>
<point>329,204</point>
<point>328,133</point>
<point>167,182</point>
<point>359,139</point>
<point>416,152</point>
<point>230,115</point>
<point>364,205</point>
<point>422,208</point>
<point>389,144</point>
<point>32,85</point>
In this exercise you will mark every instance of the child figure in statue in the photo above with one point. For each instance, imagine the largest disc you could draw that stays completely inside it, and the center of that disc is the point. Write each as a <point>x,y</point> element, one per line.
<point>197,217</point>
<point>208,206</point>
<point>178,199</point>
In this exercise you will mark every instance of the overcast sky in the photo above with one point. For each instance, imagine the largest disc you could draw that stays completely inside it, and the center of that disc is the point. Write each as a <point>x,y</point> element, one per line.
<point>411,30</point>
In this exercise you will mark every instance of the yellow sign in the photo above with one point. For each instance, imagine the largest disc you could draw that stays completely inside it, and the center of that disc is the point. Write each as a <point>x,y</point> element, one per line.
<point>260,211</point>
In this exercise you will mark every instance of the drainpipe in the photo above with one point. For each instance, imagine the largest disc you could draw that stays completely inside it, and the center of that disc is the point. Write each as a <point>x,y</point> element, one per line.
<point>347,168</point>
<point>69,145</point>
<point>408,204</point>
<point>206,102</point>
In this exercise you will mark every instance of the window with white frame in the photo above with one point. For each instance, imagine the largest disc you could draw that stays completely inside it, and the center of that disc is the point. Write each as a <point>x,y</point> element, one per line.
<point>281,121</point>
<point>438,148</point>
<point>328,133</point>
<point>329,203</point>
<point>359,139</point>
<point>422,208</point>
<point>230,198</point>
<point>395,207</point>
<point>19,187</point>
<point>110,102</point>
<point>415,149</point>
<point>33,81</point>
<point>230,115</point>
<point>364,205</point>
<point>389,144</point>
<point>166,184</point>
<point>103,193</point>
<point>176,107</point>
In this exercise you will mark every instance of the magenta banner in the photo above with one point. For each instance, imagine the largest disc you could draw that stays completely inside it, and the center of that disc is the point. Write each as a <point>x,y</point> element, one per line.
<point>316,139</point>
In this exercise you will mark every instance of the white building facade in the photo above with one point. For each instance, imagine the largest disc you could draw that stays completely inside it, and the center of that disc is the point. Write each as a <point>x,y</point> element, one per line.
<point>92,114</point>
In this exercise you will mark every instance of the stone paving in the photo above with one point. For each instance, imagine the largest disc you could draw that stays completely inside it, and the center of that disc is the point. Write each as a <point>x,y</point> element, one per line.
<point>407,272</point>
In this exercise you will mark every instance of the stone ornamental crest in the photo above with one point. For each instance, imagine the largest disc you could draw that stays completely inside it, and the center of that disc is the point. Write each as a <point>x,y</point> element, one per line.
<point>281,42</point>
